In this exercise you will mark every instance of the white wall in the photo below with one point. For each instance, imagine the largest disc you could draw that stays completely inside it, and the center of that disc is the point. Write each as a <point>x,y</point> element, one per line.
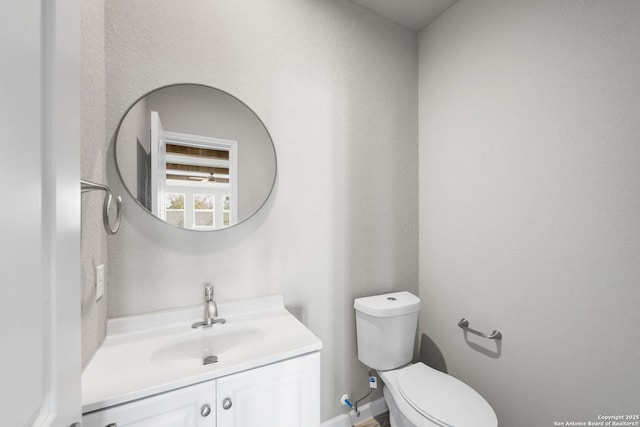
<point>93,168</point>
<point>336,89</point>
<point>530,204</point>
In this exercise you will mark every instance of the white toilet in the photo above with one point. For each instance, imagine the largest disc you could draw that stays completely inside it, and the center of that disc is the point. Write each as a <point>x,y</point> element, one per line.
<point>417,395</point>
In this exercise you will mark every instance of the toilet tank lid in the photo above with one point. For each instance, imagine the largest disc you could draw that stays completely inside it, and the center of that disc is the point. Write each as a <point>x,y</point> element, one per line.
<point>387,305</point>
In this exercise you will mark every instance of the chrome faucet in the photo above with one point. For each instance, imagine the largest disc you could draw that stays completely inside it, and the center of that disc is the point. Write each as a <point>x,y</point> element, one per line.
<point>210,310</point>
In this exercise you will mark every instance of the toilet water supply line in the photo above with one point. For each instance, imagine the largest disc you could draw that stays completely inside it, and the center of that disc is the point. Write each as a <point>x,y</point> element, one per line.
<point>373,383</point>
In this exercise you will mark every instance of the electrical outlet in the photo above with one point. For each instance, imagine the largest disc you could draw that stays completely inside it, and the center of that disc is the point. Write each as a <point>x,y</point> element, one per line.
<point>99,282</point>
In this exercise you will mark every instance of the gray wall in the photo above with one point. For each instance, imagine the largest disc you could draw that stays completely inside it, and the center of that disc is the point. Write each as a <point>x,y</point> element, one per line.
<point>530,204</point>
<point>93,164</point>
<point>336,89</point>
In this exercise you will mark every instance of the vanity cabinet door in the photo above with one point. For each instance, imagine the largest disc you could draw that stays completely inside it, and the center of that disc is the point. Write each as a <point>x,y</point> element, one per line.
<point>187,407</point>
<point>284,394</point>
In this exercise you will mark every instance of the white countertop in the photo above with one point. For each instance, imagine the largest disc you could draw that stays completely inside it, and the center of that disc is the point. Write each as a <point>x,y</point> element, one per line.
<point>127,366</point>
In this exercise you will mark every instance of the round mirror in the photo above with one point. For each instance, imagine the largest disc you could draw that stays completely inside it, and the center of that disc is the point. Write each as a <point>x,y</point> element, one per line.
<point>195,157</point>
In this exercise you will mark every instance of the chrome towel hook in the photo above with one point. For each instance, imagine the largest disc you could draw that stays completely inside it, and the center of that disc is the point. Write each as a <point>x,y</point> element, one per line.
<point>91,186</point>
<point>495,335</point>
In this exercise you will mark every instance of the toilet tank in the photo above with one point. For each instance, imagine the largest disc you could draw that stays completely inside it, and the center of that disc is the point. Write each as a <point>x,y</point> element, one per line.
<point>386,329</point>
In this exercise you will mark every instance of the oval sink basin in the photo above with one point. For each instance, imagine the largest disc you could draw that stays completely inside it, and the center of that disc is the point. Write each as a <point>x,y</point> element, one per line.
<point>199,344</point>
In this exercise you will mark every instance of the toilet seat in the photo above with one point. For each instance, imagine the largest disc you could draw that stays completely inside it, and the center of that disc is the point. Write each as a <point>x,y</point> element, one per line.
<point>423,393</point>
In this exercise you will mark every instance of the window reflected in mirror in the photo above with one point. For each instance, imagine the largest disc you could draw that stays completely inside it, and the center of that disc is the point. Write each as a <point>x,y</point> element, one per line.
<point>195,157</point>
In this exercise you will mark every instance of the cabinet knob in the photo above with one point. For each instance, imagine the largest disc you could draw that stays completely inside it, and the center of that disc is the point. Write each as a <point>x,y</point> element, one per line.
<point>111,425</point>
<point>226,403</point>
<point>205,410</point>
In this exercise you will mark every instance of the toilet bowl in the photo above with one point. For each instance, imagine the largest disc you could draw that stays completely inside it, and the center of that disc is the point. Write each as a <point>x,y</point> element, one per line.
<point>417,395</point>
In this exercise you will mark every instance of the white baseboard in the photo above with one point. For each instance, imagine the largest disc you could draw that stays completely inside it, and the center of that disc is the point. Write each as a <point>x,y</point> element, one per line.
<point>367,411</point>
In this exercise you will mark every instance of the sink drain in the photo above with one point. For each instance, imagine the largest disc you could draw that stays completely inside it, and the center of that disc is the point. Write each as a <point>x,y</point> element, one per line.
<point>209,360</point>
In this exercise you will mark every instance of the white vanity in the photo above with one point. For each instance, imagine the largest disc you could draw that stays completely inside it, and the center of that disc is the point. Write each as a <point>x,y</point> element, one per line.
<point>150,370</point>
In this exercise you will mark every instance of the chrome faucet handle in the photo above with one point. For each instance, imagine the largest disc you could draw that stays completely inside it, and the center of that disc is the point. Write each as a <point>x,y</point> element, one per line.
<point>208,293</point>
<point>210,306</point>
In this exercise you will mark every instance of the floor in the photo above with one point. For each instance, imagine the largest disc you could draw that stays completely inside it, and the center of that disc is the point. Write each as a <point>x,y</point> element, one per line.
<point>381,420</point>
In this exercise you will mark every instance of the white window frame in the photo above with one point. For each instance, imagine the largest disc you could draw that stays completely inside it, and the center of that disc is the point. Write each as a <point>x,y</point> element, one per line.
<point>184,210</point>
<point>213,211</point>
<point>189,189</point>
